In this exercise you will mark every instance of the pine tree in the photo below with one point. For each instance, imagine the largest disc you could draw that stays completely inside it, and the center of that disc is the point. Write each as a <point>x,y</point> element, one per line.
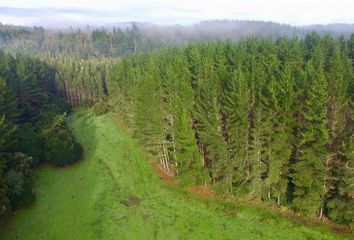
<point>280,147</point>
<point>209,125</point>
<point>150,117</point>
<point>309,169</point>
<point>188,157</point>
<point>8,102</point>
<point>5,136</point>
<point>339,161</point>
<point>237,106</point>
<point>259,127</point>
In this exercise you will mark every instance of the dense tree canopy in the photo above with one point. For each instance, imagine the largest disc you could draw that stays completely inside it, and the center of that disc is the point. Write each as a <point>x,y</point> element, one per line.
<point>32,126</point>
<point>262,119</point>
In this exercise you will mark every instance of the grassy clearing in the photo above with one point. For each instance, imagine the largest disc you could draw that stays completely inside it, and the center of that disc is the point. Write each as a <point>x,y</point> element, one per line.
<point>114,193</point>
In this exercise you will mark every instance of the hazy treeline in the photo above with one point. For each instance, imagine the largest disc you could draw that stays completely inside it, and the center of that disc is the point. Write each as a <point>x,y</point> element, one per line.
<point>260,119</point>
<point>32,126</point>
<point>220,30</point>
<point>129,38</point>
<point>83,43</point>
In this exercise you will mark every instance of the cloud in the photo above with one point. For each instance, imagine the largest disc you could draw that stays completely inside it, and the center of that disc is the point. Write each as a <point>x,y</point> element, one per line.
<point>50,17</point>
<point>101,12</point>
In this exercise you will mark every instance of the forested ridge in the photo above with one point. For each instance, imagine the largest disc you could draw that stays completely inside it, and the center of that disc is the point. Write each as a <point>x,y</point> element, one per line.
<point>258,119</point>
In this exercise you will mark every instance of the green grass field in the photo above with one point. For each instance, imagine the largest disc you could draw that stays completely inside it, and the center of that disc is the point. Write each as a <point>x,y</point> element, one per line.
<point>114,193</point>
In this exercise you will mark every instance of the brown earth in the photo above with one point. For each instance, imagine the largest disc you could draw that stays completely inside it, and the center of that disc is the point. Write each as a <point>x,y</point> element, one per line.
<point>201,191</point>
<point>169,177</point>
<point>121,123</point>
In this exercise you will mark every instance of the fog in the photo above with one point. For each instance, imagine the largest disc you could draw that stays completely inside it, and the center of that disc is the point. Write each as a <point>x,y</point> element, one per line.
<point>65,13</point>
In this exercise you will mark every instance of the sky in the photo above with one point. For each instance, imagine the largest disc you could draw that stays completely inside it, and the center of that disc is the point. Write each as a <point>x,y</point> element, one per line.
<point>60,13</point>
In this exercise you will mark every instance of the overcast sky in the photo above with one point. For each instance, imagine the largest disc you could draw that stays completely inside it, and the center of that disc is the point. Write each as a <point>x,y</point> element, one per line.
<point>101,12</point>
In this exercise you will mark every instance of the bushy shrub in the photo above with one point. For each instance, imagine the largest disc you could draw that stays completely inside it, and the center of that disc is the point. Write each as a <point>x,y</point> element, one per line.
<point>60,145</point>
<point>100,107</point>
